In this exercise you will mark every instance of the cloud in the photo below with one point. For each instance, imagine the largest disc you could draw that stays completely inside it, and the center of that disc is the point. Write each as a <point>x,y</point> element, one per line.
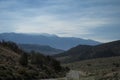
<point>80,18</point>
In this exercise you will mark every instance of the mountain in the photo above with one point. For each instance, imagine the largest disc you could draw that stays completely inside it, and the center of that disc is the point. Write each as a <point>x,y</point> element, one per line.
<point>46,50</point>
<point>54,41</point>
<point>84,52</point>
<point>15,64</point>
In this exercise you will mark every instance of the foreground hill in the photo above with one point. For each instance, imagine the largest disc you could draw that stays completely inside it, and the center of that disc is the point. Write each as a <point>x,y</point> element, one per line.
<point>84,52</point>
<point>46,50</point>
<point>54,41</point>
<point>15,64</point>
<point>98,69</point>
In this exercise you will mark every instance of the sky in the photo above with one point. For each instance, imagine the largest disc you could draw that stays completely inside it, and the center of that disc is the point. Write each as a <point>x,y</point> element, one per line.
<point>89,19</point>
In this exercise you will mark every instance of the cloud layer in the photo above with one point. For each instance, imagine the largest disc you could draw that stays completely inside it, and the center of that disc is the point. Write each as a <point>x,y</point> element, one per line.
<point>93,19</point>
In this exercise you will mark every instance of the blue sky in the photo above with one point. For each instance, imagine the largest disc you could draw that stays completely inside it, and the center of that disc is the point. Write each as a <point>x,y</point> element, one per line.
<point>90,19</point>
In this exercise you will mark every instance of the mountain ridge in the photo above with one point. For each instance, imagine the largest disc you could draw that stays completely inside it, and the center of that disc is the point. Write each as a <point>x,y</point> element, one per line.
<point>54,41</point>
<point>84,52</point>
<point>44,49</point>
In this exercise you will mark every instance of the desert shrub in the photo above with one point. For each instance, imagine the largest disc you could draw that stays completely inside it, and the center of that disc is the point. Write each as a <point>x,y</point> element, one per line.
<point>21,70</point>
<point>88,64</point>
<point>32,74</point>
<point>115,76</point>
<point>6,75</point>
<point>23,59</point>
<point>116,64</point>
<point>11,45</point>
<point>43,75</point>
<point>2,67</point>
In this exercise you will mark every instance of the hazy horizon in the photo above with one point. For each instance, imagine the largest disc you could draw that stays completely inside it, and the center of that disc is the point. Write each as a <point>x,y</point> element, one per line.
<point>47,34</point>
<point>87,19</point>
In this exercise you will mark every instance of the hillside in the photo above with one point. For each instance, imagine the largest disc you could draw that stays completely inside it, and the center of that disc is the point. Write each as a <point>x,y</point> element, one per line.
<point>84,52</point>
<point>98,69</point>
<point>54,41</point>
<point>15,64</point>
<point>46,50</point>
<point>8,56</point>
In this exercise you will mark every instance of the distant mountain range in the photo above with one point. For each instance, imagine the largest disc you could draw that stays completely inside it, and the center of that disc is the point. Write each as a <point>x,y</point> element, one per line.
<point>84,52</point>
<point>54,41</point>
<point>46,50</point>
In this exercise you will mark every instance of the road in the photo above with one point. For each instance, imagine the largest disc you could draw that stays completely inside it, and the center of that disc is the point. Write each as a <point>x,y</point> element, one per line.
<point>73,74</point>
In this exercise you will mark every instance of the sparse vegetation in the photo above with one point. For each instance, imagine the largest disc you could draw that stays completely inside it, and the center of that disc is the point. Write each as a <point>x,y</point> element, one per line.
<point>23,59</point>
<point>100,69</point>
<point>19,65</point>
<point>15,64</point>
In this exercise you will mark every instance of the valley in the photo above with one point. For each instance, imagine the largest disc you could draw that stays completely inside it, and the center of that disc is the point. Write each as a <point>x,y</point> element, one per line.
<point>44,49</point>
<point>83,62</point>
<point>59,39</point>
